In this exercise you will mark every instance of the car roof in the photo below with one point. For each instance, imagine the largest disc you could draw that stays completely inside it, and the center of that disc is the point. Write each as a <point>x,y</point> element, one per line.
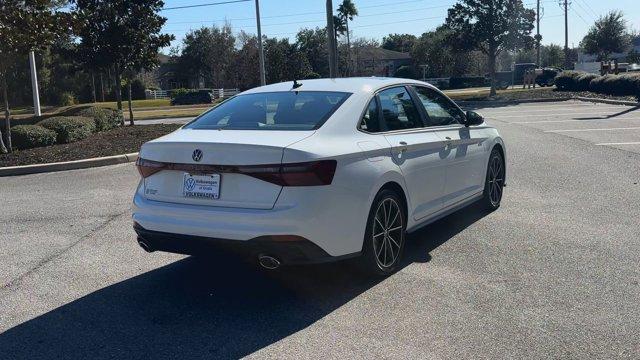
<point>351,85</point>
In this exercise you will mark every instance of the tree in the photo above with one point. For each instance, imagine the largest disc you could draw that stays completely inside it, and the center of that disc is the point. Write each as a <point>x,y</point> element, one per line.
<point>245,59</point>
<point>607,35</point>
<point>126,34</point>
<point>207,54</point>
<point>552,55</point>
<point>490,26</point>
<point>26,26</point>
<point>346,12</point>
<point>284,61</point>
<point>432,50</point>
<point>313,44</point>
<point>399,42</point>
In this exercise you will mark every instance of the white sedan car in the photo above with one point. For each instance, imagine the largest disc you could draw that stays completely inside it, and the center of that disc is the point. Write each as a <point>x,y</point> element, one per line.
<point>315,171</point>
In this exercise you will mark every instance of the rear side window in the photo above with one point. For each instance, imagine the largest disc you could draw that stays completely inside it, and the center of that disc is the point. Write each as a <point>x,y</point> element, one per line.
<point>398,110</point>
<point>440,110</point>
<point>371,119</point>
<point>286,110</point>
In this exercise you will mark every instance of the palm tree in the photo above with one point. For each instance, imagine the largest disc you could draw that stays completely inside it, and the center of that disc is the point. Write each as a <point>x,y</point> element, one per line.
<point>346,11</point>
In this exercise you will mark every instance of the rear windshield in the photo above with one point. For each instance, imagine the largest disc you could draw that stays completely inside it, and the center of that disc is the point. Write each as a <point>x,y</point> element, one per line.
<point>287,110</point>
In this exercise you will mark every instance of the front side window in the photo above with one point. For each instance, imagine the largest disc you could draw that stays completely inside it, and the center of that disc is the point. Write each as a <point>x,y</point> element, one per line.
<point>398,109</point>
<point>440,110</point>
<point>286,110</point>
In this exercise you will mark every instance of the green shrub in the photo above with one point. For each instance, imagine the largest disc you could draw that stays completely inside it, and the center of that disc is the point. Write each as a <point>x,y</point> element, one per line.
<point>312,75</point>
<point>30,136</point>
<point>405,72</point>
<point>583,81</point>
<point>568,80</point>
<point>179,92</point>
<point>137,90</point>
<point>104,119</point>
<point>69,128</point>
<point>68,98</point>
<point>619,85</point>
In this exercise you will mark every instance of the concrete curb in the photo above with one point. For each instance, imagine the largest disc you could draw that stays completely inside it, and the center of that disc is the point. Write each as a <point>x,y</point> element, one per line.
<point>607,101</point>
<point>68,165</point>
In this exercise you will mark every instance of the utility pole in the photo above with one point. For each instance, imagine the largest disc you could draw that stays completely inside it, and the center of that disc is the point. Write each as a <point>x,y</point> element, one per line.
<point>566,35</point>
<point>332,39</point>
<point>34,84</point>
<point>263,80</point>
<point>538,36</point>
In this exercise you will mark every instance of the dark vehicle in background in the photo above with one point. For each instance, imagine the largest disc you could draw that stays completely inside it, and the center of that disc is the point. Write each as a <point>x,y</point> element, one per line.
<point>504,79</point>
<point>191,98</point>
<point>548,76</point>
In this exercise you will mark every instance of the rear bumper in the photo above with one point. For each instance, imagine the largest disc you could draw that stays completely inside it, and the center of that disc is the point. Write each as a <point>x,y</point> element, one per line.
<point>332,218</point>
<point>289,250</point>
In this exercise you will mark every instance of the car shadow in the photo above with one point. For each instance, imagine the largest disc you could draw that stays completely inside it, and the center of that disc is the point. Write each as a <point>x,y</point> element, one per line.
<point>206,308</point>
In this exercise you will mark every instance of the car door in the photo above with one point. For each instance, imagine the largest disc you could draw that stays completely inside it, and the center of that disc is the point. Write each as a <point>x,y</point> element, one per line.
<point>464,151</point>
<point>415,149</point>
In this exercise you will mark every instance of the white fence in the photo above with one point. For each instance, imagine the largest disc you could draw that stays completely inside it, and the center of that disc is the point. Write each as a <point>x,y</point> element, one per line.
<point>166,94</point>
<point>156,94</point>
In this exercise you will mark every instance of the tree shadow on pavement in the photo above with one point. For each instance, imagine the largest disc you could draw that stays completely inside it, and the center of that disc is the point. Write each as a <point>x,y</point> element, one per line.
<point>620,113</point>
<point>213,308</point>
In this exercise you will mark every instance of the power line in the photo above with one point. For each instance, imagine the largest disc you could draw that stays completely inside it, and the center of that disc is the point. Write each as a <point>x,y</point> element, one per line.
<point>202,5</point>
<point>577,13</point>
<point>590,8</point>
<point>585,10</point>
<point>307,13</point>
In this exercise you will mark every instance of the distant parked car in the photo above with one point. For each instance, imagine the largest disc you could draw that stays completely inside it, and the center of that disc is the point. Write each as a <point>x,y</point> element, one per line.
<point>547,78</point>
<point>200,97</point>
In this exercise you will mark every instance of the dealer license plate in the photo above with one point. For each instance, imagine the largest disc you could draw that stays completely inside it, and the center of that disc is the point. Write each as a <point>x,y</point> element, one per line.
<point>205,186</point>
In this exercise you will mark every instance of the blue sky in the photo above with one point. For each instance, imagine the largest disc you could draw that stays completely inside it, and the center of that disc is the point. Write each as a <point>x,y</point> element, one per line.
<point>283,18</point>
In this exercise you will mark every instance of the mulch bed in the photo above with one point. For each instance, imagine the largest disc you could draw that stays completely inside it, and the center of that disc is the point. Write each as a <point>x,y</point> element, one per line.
<point>118,141</point>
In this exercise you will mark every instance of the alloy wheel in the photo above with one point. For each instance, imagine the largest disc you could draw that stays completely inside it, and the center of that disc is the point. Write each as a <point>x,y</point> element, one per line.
<point>388,232</point>
<point>496,180</point>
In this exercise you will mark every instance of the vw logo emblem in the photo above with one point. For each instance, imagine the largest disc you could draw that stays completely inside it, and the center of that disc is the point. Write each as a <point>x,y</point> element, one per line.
<point>197,155</point>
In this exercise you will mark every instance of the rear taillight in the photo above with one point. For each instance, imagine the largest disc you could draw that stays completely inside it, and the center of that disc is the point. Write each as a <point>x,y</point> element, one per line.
<point>297,174</point>
<point>294,174</point>
<point>147,168</point>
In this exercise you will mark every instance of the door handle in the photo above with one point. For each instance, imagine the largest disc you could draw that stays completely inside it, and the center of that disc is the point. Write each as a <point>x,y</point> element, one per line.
<point>403,146</point>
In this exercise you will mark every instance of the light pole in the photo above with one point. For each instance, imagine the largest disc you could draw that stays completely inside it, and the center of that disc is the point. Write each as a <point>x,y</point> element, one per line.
<point>263,80</point>
<point>566,36</point>
<point>34,84</point>
<point>538,36</point>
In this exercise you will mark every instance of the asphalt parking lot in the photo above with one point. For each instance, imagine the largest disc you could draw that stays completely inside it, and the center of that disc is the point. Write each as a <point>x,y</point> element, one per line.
<point>552,274</point>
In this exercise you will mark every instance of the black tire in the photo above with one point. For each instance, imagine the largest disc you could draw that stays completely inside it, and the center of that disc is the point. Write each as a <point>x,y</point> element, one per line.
<point>374,261</point>
<point>494,181</point>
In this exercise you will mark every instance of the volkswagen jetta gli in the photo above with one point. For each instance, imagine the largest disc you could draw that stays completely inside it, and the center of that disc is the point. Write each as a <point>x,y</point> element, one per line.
<point>316,171</point>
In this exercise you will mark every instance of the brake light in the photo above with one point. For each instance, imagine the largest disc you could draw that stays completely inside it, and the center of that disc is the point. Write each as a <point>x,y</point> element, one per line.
<point>147,168</point>
<point>293,174</point>
<point>296,174</point>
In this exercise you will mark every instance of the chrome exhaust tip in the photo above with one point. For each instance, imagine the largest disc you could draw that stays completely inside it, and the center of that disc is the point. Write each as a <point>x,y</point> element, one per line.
<point>145,246</point>
<point>268,262</point>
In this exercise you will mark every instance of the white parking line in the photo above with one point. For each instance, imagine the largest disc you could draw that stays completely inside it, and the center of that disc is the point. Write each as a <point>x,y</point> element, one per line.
<point>563,108</point>
<point>621,143</point>
<point>571,120</point>
<point>601,129</point>
<point>567,114</point>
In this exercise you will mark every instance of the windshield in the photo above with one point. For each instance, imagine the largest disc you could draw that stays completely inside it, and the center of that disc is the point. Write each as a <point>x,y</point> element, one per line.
<point>287,110</point>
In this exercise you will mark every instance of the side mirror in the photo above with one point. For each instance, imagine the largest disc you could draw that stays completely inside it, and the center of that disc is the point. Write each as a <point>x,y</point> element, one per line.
<point>473,118</point>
